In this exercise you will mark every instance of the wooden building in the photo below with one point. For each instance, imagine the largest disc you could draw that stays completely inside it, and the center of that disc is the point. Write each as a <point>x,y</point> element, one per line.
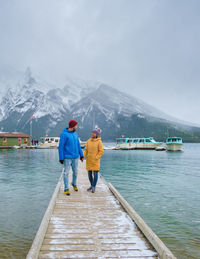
<point>10,139</point>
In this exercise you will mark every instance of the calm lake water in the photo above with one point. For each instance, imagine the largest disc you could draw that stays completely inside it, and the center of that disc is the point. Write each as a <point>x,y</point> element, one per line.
<point>163,187</point>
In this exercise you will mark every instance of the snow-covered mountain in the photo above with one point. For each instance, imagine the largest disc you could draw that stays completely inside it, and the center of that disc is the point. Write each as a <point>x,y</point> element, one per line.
<point>88,102</point>
<point>32,96</point>
<point>112,102</point>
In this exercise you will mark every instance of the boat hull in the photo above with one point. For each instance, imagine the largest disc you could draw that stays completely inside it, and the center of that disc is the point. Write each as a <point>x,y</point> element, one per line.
<point>174,147</point>
<point>48,145</point>
<point>83,144</point>
<point>149,146</point>
<point>160,148</point>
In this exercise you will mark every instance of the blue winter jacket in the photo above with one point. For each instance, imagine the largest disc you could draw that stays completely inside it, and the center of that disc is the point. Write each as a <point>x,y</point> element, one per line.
<point>69,146</point>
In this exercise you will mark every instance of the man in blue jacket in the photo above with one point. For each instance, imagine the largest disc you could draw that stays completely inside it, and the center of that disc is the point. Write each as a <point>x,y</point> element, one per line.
<point>69,152</point>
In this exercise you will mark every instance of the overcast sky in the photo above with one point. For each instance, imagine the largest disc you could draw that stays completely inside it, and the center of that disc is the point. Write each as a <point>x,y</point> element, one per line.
<point>148,48</point>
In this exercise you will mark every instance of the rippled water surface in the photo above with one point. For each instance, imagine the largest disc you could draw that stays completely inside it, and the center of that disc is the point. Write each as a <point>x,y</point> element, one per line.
<point>163,187</point>
<point>27,182</point>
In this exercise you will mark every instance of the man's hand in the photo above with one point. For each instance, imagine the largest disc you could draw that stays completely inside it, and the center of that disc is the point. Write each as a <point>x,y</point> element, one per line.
<point>81,158</point>
<point>61,161</point>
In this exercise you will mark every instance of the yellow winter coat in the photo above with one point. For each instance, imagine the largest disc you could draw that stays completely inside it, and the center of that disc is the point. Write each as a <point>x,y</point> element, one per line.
<point>93,152</point>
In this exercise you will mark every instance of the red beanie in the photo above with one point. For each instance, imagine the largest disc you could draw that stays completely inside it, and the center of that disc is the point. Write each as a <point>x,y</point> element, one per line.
<point>72,123</point>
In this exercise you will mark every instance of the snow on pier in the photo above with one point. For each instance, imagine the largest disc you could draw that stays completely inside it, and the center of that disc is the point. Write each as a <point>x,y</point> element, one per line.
<point>94,225</point>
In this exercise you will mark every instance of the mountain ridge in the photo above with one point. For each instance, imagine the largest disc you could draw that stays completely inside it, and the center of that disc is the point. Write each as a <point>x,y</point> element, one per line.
<point>91,104</point>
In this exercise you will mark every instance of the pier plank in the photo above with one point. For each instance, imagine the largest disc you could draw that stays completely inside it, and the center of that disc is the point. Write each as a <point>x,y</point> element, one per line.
<point>91,225</point>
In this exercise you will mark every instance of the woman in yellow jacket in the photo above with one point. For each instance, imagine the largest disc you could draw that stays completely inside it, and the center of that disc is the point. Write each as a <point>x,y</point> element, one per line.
<point>93,152</point>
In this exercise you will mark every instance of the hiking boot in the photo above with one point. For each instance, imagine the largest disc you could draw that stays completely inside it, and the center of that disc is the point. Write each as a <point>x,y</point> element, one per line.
<point>75,188</point>
<point>89,189</point>
<point>66,191</point>
<point>93,189</point>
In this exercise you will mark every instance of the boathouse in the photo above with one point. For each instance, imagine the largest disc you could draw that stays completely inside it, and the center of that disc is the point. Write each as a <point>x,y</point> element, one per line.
<point>10,139</point>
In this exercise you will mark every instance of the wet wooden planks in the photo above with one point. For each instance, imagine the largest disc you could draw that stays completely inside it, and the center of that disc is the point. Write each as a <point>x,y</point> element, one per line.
<point>92,225</point>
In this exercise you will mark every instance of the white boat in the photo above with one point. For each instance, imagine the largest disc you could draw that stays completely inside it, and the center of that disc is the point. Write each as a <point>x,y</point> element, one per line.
<point>49,142</point>
<point>174,144</point>
<point>16,147</point>
<point>160,148</point>
<point>137,143</point>
<point>108,147</point>
<point>82,143</point>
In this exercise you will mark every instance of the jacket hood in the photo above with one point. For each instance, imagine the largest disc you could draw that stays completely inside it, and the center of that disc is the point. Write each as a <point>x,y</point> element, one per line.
<point>95,139</point>
<point>69,131</point>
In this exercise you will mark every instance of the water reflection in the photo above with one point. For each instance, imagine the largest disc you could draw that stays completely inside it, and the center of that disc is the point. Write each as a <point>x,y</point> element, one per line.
<point>27,181</point>
<point>163,187</point>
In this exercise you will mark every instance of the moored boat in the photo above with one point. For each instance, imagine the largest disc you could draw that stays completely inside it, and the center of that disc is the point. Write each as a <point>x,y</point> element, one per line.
<point>174,144</point>
<point>49,142</point>
<point>137,143</point>
<point>82,143</point>
<point>160,148</point>
<point>16,147</point>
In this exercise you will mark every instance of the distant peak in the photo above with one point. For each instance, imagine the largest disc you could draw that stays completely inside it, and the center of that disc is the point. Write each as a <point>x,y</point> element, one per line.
<point>28,78</point>
<point>106,87</point>
<point>28,72</point>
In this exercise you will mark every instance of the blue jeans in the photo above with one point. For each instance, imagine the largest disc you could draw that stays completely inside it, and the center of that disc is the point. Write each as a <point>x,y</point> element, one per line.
<point>93,179</point>
<point>70,163</point>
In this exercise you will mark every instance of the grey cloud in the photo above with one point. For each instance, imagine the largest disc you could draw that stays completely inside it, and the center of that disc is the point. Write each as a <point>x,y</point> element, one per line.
<point>148,48</point>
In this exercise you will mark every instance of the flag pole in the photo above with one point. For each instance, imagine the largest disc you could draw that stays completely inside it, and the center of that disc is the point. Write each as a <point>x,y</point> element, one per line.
<point>31,128</point>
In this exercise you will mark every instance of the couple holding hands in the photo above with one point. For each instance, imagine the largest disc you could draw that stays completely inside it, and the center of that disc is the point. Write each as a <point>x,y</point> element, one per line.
<point>70,151</point>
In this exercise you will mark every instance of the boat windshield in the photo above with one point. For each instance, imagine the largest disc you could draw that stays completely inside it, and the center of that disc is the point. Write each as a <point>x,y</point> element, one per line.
<point>174,140</point>
<point>141,140</point>
<point>121,140</point>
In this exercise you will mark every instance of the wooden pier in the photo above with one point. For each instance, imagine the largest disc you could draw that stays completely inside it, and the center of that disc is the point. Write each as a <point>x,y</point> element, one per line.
<point>94,225</point>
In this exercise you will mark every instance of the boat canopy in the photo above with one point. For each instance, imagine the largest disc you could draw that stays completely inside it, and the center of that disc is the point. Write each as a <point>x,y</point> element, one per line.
<point>174,140</point>
<point>135,140</point>
<point>50,139</point>
<point>122,140</point>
